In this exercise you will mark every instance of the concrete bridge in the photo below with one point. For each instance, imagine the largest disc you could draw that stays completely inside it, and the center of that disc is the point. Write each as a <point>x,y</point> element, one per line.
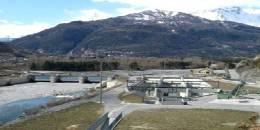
<point>53,78</point>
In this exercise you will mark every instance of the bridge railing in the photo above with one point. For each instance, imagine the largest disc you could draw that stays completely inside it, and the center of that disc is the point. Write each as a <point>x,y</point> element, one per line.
<point>116,121</point>
<point>99,123</point>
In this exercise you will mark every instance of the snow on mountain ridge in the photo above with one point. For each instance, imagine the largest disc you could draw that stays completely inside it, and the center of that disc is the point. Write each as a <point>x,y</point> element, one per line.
<point>152,15</point>
<point>249,16</point>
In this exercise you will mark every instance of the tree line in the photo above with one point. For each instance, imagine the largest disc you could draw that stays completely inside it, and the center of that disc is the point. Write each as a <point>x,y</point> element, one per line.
<point>175,65</point>
<point>75,66</point>
<point>111,65</point>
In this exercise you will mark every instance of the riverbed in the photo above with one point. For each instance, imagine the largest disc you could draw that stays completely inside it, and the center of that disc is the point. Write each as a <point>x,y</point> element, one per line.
<point>14,110</point>
<point>16,99</point>
<point>41,89</point>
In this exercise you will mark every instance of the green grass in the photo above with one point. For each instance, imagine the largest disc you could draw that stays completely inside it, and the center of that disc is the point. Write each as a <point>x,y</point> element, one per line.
<point>130,98</point>
<point>75,118</point>
<point>223,86</point>
<point>252,90</point>
<point>193,119</point>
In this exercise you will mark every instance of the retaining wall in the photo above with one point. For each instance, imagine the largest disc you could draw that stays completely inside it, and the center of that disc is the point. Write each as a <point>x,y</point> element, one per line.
<point>17,80</point>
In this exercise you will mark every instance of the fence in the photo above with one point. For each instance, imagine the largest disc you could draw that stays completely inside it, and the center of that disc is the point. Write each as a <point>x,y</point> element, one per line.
<point>116,121</point>
<point>102,123</point>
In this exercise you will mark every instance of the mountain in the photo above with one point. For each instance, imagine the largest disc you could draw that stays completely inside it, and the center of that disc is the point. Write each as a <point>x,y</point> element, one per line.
<point>249,16</point>
<point>9,51</point>
<point>5,48</point>
<point>149,33</point>
<point>6,39</point>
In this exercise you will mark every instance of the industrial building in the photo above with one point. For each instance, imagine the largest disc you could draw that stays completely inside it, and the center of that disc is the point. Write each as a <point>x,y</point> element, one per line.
<point>170,89</point>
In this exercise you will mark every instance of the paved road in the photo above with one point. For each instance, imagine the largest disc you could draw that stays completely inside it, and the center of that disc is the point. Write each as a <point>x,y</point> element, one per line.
<point>110,98</point>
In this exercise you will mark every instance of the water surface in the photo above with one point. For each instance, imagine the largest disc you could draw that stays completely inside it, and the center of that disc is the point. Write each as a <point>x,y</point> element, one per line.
<point>13,110</point>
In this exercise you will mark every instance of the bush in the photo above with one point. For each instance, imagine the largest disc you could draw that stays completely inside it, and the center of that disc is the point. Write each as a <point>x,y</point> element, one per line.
<point>253,118</point>
<point>134,66</point>
<point>175,64</point>
<point>242,126</point>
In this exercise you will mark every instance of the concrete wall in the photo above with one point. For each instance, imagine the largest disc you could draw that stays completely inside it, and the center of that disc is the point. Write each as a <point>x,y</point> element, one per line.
<point>4,82</point>
<point>18,80</point>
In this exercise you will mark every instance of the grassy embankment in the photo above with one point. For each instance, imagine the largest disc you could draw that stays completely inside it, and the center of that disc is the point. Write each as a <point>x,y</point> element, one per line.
<point>75,118</point>
<point>193,119</point>
<point>230,86</point>
<point>130,98</point>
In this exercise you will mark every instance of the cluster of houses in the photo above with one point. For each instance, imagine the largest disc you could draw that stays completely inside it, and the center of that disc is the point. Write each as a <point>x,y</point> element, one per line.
<point>90,53</point>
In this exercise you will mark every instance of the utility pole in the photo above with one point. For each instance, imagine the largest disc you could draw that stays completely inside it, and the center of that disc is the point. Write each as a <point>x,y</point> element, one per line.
<point>101,69</point>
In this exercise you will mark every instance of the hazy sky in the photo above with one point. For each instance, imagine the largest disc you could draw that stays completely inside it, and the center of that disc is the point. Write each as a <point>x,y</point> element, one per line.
<point>22,17</point>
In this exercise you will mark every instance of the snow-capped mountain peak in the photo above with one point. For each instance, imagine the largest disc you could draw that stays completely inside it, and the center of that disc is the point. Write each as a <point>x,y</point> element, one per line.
<point>151,15</point>
<point>164,17</point>
<point>249,16</point>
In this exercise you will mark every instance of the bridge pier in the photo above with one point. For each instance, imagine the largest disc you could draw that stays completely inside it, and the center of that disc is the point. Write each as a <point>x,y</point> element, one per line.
<point>187,92</point>
<point>30,78</point>
<point>155,92</point>
<point>83,79</point>
<point>55,78</point>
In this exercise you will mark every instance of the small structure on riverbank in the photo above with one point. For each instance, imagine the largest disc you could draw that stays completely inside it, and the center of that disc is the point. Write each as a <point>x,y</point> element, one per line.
<point>202,72</point>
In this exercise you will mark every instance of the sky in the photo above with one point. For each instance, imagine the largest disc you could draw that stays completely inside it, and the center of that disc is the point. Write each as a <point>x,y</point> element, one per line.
<point>22,17</point>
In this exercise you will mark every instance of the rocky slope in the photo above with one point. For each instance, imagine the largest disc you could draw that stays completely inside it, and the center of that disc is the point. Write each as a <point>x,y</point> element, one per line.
<point>249,70</point>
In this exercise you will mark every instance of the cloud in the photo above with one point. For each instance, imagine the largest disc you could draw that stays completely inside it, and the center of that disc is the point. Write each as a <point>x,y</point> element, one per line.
<point>252,11</point>
<point>125,11</point>
<point>184,5</point>
<point>87,15</point>
<point>16,29</point>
